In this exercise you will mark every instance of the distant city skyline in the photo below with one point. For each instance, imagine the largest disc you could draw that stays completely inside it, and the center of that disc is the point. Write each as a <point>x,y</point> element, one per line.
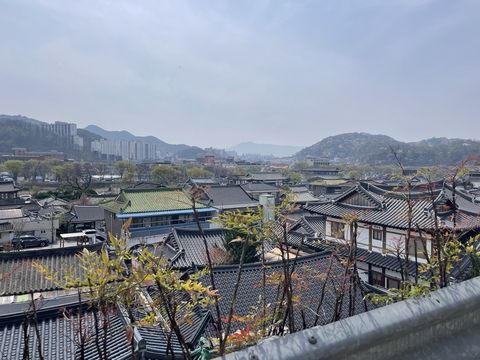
<point>220,73</point>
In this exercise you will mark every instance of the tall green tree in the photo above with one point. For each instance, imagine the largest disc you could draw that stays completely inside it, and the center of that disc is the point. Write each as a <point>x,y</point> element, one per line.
<point>14,167</point>
<point>198,172</point>
<point>168,174</point>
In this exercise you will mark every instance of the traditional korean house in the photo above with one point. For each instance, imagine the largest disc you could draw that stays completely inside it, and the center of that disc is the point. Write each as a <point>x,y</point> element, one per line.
<point>83,217</point>
<point>228,198</point>
<point>255,189</point>
<point>153,211</point>
<point>383,221</point>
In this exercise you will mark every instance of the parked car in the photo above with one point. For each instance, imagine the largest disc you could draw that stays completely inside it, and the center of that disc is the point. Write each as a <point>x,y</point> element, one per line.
<point>27,241</point>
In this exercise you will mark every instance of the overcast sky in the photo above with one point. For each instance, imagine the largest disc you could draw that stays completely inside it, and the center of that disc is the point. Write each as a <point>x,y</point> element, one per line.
<point>216,73</point>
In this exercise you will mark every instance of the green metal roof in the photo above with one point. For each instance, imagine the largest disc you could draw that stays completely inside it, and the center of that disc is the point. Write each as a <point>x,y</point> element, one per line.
<point>149,200</point>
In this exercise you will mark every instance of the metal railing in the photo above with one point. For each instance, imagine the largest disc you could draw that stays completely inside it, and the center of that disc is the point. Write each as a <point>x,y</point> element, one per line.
<point>444,325</point>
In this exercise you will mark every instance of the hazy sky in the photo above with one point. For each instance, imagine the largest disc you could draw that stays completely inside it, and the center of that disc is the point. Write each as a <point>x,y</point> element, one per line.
<point>215,73</point>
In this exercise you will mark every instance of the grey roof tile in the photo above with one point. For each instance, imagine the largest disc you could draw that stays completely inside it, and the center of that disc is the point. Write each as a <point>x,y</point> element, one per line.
<point>308,286</point>
<point>18,276</point>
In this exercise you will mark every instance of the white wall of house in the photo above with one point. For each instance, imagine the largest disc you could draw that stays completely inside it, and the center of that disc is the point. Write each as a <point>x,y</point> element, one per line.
<point>40,227</point>
<point>395,239</point>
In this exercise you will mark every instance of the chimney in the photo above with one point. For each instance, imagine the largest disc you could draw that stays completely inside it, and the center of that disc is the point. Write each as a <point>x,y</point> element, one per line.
<point>267,202</point>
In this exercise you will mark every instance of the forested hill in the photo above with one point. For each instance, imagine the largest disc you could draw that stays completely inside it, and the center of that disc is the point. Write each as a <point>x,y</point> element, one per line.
<point>20,131</point>
<point>363,148</point>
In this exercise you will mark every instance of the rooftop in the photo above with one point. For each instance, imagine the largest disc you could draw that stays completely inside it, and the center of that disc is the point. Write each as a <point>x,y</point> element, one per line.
<point>265,176</point>
<point>185,248</point>
<point>260,187</point>
<point>87,213</point>
<point>7,214</point>
<point>18,276</point>
<point>388,208</point>
<point>8,186</point>
<point>58,328</point>
<point>131,201</point>
<point>309,282</point>
<point>229,197</point>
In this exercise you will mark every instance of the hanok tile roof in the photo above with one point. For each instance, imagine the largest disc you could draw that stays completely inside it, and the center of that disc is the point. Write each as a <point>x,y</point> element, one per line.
<point>58,332</point>
<point>157,337</point>
<point>385,208</point>
<point>189,249</point>
<point>52,201</point>
<point>311,225</point>
<point>265,176</point>
<point>204,181</point>
<point>308,285</point>
<point>464,202</point>
<point>18,276</point>
<point>87,213</point>
<point>260,187</point>
<point>8,186</point>
<point>149,200</point>
<point>304,243</point>
<point>229,197</point>
<point>386,261</point>
<point>6,214</point>
<point>302,195</point>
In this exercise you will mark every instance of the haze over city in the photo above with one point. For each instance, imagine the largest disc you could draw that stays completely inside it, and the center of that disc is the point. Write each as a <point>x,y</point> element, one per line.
<point>288,73</point>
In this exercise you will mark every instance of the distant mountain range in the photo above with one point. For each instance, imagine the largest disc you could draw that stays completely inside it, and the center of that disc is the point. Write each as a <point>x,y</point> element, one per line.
<point>353,148</point>
<point>363,148</point>
<point>265,149</point>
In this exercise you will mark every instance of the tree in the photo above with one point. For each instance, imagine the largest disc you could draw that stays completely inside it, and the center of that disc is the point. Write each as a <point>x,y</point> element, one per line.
<point>76,177</point>
<point>125,167</point>
<point>143,172</point>
<point>14,167</point>
<point>168,174</point>
<point>198,172</point>
<point>33,168</point>
<point>299,165</point>
<point>233,243</point>
<point>116,278</point>
<point>295,177</point>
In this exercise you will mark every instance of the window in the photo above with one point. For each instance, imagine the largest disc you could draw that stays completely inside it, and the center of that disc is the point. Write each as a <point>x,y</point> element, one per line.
<point>377,278</point>
<point>137,223</point>
<point>377,234</point>
<point>160,221</point>
<point>418,245</point>
<point>393,283</point>
<point>337,230</point>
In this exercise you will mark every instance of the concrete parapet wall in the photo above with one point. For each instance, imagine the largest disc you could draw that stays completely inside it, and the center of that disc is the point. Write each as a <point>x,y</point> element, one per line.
<point>444,325</point>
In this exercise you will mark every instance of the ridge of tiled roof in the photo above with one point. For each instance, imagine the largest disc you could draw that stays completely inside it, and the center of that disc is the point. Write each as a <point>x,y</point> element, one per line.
<point>370,196</point>
<point>310,224</point>
<point>415,194</point>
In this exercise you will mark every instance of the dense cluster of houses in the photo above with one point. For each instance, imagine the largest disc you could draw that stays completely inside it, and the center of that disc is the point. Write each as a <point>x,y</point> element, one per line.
<point>177,228</point>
